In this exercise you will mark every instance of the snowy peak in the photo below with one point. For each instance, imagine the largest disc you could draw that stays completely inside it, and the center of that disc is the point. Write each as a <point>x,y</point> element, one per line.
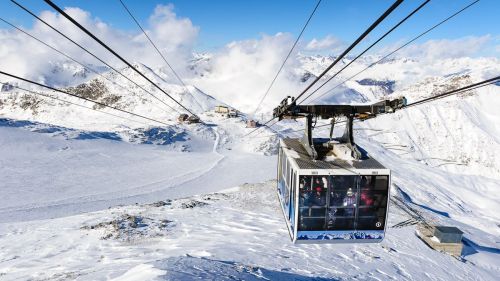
<point>200,64</point>
<point>108,88</point>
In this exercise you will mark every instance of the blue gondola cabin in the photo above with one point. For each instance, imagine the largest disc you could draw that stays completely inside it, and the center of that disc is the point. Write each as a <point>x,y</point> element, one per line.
<point>331,200</point>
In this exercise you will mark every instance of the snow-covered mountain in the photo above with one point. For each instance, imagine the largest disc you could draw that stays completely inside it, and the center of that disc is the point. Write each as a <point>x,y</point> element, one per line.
<point>365,84</point>
<point>467,143</point>
<point>109,88</point>
<point>147,201</point>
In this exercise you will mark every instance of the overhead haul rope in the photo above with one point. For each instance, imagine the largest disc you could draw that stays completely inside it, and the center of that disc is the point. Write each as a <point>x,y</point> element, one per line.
<point>55,7</point>
<point>72,59</point>
<point>470,87</point>
<point>286,58</point>
<point>90,53</point>
<point>456,91</point>
<point>72,103</point>
<point>369,47</point>
<point>467,88</point>
<point>83,98</point>
<point>158,51</point>
<point>341,56</point>
<point>399,48</point>
<point>404,45</point>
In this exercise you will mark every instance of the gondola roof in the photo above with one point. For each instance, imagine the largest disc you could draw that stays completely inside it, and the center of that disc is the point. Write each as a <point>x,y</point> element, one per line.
<point>304,160</point>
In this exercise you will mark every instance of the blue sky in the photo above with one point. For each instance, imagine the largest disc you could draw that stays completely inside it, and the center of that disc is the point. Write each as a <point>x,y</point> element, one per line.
<point>223,21</point>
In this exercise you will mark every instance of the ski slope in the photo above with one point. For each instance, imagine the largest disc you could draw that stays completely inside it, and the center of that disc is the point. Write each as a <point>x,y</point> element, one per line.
<point>233,234</point>
<point>94,197</point>
<point>90,228</point>
<point>54,171</point>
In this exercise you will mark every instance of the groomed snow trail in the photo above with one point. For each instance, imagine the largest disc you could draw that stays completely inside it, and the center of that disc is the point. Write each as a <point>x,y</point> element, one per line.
<point>65,177</point>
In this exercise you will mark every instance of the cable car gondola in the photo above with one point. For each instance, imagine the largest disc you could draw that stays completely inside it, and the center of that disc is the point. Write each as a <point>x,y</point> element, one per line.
<point>331,190</point>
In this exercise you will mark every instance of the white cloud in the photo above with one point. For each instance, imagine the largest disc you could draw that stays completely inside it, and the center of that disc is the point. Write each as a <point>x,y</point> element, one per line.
<point>243,70</point>
<point>239,73</point>
<point>173,33</point>
<point>328,43</point>
<point>23,56</point>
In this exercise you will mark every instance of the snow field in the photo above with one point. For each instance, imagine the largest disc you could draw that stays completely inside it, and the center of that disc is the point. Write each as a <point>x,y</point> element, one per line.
<point>235,234</point>
<point>77,200</point>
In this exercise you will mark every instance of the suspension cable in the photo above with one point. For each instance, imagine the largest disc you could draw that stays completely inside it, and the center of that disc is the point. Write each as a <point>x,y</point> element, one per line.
<point>456,91</point>
<point>287,56</point>
<point>93,55</point>
<point>72,103</point>
<point>269,126</point>
<point>369,47</point>
<point>399,48</point>
<point>467,88</point>
<point>83,98</point>
<point>72,59</point>
<point>158,51</point>
<point>356,42</point>
<point>55,7</point>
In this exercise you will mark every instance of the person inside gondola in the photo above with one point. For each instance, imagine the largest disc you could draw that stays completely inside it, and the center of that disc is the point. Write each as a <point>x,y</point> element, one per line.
<point>306,180</point>
<point>319,199</point>
<point>366,202</point>
<point>335,199</point>
<point>349,203</point>
<point>335,202</point>
<point>306,196</point>
<point>339,180</point>
<point>325,182</point>
<point>366,198</point>
<point>318,209</point>
<point>318,184</point>
<point>366,182</point>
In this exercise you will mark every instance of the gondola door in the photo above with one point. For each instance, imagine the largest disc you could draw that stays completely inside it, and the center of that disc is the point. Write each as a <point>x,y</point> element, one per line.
<point>291,211</point>
<point>285,179</point>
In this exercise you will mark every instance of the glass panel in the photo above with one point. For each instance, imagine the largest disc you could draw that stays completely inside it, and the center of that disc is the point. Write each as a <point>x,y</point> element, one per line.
<point>342,203</point>
<point>287,188</point>
<point>283,166</point>
<point>291,214</point>
<point>287,178</point>
<point>287,195</point>
<point>312,202</point>
<point>280,155</point>
<point>373,202</point>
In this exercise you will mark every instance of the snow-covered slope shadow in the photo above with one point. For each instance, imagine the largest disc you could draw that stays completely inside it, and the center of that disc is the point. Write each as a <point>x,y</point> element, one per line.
<point>408,198</point>
<point>190,268</point>
<point>152,135</point>
<point>68,133</point>
<point>471,247</point>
